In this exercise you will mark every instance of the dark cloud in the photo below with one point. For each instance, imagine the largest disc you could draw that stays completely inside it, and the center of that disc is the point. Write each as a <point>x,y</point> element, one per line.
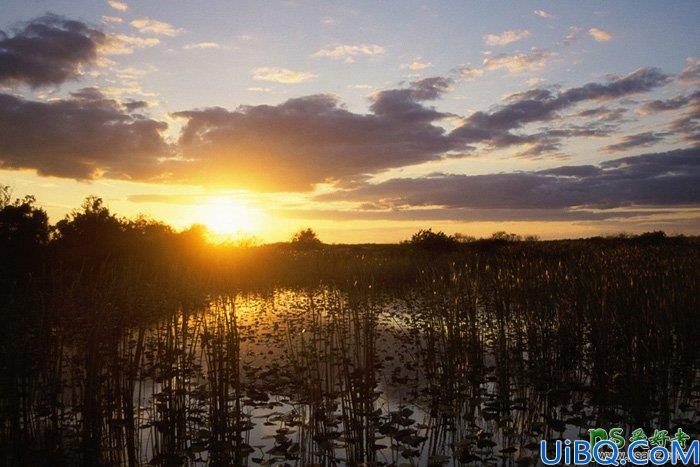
<point>645,139</point>
<point>299,143</point>
<point>579,171</point>
<point>92,93</point>
<point>549,141</point>
<point>132,105</point>
<point>540,149</point>
<point>539,105</point>
<point>313,139</point>
<point>308,140</point>
<point>657,179</point>
<point>687,125</point>
<point>604,114</point>
<point>83,137</point>
<point>405,104</point>
<point>590,130</point>
<point>688,128</point>
<point>47,51</point>
<point>675,103</point>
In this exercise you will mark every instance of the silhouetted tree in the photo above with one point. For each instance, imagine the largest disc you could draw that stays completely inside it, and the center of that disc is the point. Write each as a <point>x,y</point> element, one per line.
<point>94,222</point>
<point>24,231</point>
<point>91,234</point>
<point>24,234</point>
<point>503,236</point>
<point>306,239</point>
<point>462,238</point>
<point>21,222</point>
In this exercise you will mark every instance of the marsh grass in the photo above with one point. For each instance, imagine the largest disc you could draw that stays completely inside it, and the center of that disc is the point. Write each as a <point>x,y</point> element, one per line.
<point>194,354</point>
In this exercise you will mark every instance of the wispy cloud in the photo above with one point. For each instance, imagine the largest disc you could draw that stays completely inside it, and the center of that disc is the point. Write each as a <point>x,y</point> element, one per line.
<point>347,52</point>
<point>119,6</point>
<point>112,19</point>
<point>469,72</point>
<point>202,45</point>
<point>519,61</point>
<point>281,75</point>
<point>121,44</point>
<point>151,26</point>
<point>506,37</point>
<point>513,63</point>
<point>127,88</point>
<point>132,73</point>
<point>543,14</point>
<point>534,81</point>
<point>691,73</point>
<point>415,65</point>
<point>600,35</point>
<point>572,35</point>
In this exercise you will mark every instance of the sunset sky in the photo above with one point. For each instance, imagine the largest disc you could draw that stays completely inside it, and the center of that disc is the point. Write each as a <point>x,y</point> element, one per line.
<point>364,120</point>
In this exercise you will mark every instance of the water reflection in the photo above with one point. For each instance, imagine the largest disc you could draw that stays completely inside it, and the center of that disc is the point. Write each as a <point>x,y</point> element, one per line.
<point>326,376</point>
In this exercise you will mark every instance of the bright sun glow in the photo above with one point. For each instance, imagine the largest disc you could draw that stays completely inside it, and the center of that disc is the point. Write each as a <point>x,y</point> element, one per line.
<point>227,217</point>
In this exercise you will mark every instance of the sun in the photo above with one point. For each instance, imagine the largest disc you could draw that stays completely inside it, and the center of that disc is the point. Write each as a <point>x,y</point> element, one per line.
<point>229,217</point>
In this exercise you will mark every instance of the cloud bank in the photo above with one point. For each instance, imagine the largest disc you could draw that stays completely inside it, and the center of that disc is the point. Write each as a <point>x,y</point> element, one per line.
<point>309,140</point>
<point>313,139</point>
<point>655,179</point>
<point>84,137</point>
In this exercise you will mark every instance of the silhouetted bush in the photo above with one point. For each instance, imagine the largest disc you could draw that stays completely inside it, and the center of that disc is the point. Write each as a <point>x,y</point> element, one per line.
<point>652,237</point>
<point>462,238</point>
<point>433,241</point>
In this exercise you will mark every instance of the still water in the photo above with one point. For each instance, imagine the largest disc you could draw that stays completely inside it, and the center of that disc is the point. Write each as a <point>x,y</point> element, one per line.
<point>331,377</point>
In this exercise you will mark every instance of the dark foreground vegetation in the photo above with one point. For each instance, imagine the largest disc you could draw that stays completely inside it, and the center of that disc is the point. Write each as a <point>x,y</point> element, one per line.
<point>123,342</point>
